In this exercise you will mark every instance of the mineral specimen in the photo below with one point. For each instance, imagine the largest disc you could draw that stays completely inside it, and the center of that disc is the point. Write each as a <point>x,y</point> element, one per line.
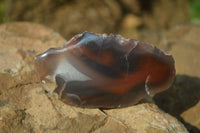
<point>104,71</point>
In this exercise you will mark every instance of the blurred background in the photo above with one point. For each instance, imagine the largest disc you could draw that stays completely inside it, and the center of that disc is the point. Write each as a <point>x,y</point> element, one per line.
<point>130,18</point>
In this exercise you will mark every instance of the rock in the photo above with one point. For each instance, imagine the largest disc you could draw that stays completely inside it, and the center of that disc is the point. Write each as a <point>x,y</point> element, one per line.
<point>194,118</point>
<point>183,43</point>
<point>69,18</point>
<point>161,15</point>
<point>131,21</point>
<point>152,119</point>
<point>39,112</point>
<point>26,107</point>
<point>47,114</point>
<point>21,41</point>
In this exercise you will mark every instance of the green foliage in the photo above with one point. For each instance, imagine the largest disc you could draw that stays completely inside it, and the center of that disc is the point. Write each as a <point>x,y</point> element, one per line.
<point>195,11</point>
<point>3,16</point>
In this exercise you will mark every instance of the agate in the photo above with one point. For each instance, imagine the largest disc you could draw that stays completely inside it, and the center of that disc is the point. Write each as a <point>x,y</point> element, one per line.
<point>104,71</point>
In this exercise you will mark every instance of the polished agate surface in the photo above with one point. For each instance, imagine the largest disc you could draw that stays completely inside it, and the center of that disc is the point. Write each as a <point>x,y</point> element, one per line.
<point>104,71</point>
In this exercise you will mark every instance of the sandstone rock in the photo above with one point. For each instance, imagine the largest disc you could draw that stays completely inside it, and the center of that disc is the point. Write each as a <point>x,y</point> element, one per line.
<point>26,107</point>
<point>194,118</point>
<point>162,14</point>
<point>39,112</point>
<point>183,43</point>
<point>152,119</point>
<point>131,21</point>
<point>68,17</point>
<point>21,41</point>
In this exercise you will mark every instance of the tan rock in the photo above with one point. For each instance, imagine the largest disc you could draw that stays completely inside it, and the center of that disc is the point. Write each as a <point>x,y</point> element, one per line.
<point>40,112</point>
<point>165,14</point>
<point>47,114</point>
<point>130,22</point>
<point>152,119</point>
<point>21,41</point>
<point>192,115</point>
<point>183,43</point>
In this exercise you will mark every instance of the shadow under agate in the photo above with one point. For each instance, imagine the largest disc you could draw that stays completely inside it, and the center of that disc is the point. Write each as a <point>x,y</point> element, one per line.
<point>182,95</point>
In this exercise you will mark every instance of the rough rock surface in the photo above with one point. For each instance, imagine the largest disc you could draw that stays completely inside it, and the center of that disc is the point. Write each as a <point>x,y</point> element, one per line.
<point>26,107</point>
<point>194,118</point>
<point>183,43</point>
<point>152,119</point>
<point>19,43</point>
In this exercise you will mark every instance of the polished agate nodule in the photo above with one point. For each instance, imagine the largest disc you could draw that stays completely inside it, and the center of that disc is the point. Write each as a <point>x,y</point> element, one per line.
<point>100,71</point>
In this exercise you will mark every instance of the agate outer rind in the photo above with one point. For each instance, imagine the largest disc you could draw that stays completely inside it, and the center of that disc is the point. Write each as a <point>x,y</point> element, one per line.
<point>104,71</point>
